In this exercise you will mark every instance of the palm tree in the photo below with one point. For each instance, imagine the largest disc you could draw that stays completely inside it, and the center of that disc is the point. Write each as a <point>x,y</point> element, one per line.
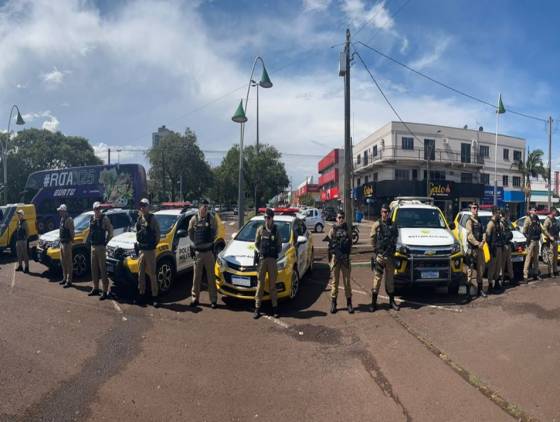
<point>532,167</point>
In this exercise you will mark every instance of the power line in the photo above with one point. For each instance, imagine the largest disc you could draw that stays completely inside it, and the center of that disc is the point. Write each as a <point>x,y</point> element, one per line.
<point>457,91</point>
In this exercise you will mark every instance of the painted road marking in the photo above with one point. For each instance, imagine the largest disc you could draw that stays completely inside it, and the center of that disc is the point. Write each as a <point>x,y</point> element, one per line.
<point>13,279</point>
<point>116,306</point>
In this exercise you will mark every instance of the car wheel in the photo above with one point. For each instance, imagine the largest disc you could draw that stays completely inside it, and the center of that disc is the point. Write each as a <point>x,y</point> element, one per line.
<point>294,289</point>
<point>80,263</point>
<point>165,274</point>
<point>319,228</point>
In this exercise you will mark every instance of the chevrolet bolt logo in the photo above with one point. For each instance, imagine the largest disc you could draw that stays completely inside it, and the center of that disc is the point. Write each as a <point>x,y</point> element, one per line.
<point>429,253</point>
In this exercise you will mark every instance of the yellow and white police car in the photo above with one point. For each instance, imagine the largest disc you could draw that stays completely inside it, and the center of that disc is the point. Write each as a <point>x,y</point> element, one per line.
<point>172,252</point>
<point>236,273</point>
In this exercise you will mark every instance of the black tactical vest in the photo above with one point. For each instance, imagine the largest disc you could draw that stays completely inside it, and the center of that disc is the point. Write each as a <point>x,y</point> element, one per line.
<point>386,239</point>
<point>97,233</point>
<point>203,233</point>
<point>268,247</point>
<point>535,231</point>
<point>477,230</point>
<point>64,232</point>
<point>20,231</point>
<point>497,239</point>
<point>145,235</point>
<point>341,243</point>
<point>554,228</point>
<point>508,233</point>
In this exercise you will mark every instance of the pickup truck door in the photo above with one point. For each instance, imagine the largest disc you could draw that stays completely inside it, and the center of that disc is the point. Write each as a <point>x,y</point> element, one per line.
<point>181,246</point>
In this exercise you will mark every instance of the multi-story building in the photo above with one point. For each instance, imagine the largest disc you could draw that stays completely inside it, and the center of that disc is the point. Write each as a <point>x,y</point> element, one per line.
<point>453,165</point>
<point>307,188</point>
<point>161,133</point>
<point>331,176</point>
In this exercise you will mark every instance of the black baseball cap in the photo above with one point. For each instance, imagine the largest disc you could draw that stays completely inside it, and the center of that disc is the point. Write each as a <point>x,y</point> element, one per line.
<point>269,213</point>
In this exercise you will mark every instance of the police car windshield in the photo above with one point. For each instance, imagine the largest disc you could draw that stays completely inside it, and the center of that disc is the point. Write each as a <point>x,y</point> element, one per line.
<point>248,232</point>
<point>420,217</point>
<point>81,222</point>
<point>166,222</point>
<point>2,212</point>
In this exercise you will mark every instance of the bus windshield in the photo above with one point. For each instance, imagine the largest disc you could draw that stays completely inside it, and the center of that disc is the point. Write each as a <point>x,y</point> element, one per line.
<point>420,218</point>
<point>248,232</point>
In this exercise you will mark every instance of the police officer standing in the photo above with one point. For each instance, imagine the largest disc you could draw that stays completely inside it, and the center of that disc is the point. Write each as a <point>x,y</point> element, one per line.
<point>507,265</point>
<point>147,238</point>
<point>22,234</point>
<point>268,244</point>
<point>100,232</point>
<point>551,230</point>
<point>340,245</point>
<point>532,230</point>
<point>66,236</point>
<point>383,239</point>
<point>476,238</point>
<point>202,232</point>
<point>495,239</point>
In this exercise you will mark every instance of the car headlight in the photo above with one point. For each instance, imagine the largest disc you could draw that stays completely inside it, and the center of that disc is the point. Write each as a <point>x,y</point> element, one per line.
<point>281,263</point>
<point>221,262</point>
<point>131,253</point>
<point>456,248</point>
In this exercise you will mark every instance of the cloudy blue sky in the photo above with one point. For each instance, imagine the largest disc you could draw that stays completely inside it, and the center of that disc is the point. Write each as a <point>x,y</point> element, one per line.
<point>113,71</point>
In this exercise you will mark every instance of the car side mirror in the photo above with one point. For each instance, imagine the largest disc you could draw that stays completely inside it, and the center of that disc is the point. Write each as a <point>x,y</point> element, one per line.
<point>233,235</point>
<point>181,233</point>
<point>301,240</point>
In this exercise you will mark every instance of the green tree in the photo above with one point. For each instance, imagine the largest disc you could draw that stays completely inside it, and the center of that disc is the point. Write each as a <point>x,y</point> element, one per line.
<point>307,200</point>
<point>34,149</point>
<point>264,170</point>
<point>532,167</point>
<point>178,158</point>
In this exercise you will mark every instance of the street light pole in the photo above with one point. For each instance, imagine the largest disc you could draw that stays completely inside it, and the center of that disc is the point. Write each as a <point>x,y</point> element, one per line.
<point>19,121</point>
<point>257,151</point>
<point>240,117</point>
<point>345,72</point>
<point>549,162</point>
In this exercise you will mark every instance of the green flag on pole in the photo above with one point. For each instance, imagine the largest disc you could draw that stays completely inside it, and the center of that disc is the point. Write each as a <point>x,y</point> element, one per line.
<point>501,108</point>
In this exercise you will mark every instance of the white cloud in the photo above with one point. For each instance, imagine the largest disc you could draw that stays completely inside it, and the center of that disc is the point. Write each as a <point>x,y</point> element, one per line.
<point>404,45</point>
<point>54,77</point>
<point>377,15</point>
<point>120,153</point>
<point>51,124</point>
<point>316,5</point>
<point>433,56</point>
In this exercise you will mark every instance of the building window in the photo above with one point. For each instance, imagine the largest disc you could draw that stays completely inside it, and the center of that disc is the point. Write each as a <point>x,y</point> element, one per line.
<point>375,177</point>
<point>465,153</point>
<point>401,174</point>
<point>435,175</point>
<point>414,174</point>
<point>407,143</point>
<point>358,181</point>
<point>506,154</point>
<point>485,151</point>
<point>466,177</point>
<point>516,155</point>
<point>374,151</point>
<point>367,179</point>
<point>516,181</point>
<point>429,149</point>
<point>359,159</point>
<point>485,178</point>
<point>505,180</point>
<point>365,158</point>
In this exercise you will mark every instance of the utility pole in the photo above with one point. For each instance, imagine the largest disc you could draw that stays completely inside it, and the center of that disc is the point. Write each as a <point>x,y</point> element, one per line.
<point>163,174</point>
<point>109,156</point>
<point>345,72</point>
<point>549,163</point>
<point>257,151</point>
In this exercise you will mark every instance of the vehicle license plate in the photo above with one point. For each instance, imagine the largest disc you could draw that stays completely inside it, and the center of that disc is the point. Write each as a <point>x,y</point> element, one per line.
<point>241,281</point>
<point>430,274</point>
<point>110,267</point>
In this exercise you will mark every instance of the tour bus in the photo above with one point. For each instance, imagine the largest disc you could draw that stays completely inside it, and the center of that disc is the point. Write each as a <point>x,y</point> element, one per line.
<point>121,185</point>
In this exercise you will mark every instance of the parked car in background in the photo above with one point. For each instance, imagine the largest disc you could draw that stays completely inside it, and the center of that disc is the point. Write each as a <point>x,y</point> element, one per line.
<point>8,226</point>
<point>329,214</point>
<point>313,219</point>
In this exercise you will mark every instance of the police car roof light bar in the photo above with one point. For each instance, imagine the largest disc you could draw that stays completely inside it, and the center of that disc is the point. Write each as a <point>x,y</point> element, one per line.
<point>176,204</point>
<point>283,211</point>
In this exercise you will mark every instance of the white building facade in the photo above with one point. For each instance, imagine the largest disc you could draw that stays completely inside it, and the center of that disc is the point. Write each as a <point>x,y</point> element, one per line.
<point>453,165</point>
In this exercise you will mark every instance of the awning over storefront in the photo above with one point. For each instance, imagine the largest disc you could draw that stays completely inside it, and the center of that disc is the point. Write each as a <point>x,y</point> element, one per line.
<point>543,199</point>
<point>514,196</point>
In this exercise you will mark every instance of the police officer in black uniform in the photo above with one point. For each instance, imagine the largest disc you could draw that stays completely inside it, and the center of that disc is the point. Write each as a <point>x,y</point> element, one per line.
<point>532,230</point>
<point>147,238</point>
<point>340,245</point>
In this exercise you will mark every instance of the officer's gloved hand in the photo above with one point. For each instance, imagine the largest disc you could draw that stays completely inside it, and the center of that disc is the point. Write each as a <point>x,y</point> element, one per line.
<point>193,252</point>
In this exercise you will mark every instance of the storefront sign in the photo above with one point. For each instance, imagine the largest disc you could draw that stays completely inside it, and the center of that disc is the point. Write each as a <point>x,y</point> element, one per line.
<point>489,194</point>
<point>440,190</point>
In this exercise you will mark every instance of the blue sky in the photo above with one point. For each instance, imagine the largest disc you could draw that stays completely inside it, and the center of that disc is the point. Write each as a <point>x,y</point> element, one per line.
<point>113,71</point>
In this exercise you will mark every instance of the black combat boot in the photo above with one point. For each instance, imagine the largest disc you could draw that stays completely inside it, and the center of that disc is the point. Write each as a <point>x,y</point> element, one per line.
<point>194,303</point>
<point>155,302</point>
<point>373,305</point>
<point>257,313</point>
<point>349,305</point>
<point>213,305</point>
<point>26,271</point>
<point>333,306</point>
<point>394,305</point>
<point>67,285</point>
<point>104,296</point>
<point>19,268</point>
<point>94,292</point>
<point>481,291</point>
<point>275,313</point>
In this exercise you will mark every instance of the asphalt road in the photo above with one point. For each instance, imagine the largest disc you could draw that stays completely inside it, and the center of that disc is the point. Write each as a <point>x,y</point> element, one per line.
<point>65,356</point>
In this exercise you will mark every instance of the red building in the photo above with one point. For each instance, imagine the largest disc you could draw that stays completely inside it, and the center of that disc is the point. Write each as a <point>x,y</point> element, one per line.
<point>306,188</point>
<point>331,174</point>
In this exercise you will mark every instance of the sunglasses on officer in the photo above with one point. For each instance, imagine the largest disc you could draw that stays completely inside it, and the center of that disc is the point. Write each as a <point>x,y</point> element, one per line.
<point>340,217</point>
